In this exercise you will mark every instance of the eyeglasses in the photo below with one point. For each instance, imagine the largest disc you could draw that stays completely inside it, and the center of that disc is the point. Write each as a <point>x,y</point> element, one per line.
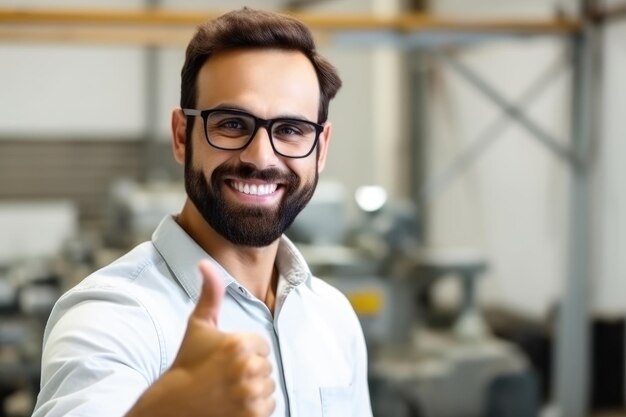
<point>233,130</point>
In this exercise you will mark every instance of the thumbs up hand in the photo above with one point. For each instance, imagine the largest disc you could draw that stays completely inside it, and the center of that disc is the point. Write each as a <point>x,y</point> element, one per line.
<point>215,374</point>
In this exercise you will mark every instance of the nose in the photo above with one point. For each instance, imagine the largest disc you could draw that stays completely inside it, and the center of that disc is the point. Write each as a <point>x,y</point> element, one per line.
<point>259,151</point>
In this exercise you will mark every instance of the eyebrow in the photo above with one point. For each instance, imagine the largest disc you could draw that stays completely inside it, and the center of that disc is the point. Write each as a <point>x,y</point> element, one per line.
<point>231,106</point>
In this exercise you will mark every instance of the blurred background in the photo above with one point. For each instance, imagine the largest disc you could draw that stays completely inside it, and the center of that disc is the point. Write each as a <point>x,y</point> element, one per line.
<point>471,208</point>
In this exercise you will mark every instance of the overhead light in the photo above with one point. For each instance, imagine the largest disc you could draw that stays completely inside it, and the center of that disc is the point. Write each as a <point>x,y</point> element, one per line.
<point>370,198</point>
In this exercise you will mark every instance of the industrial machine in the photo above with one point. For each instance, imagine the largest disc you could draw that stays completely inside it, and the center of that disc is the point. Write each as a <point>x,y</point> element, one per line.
<point>417,369</point>
<point>34,234</point>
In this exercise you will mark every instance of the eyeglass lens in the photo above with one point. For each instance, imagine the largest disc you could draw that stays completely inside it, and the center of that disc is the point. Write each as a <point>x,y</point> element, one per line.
<point>290,137</point>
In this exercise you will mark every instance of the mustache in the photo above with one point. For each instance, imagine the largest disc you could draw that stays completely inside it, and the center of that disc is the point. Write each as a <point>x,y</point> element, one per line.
<point>248,172</point>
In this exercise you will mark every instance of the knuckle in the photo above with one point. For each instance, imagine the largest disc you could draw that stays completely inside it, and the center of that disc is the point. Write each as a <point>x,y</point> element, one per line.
<point>256,391</point>
<point>249,366</point>
<point>271,405</point>
<point>233,344</point>
<point>272,386</point>
<point>247,392</point>
<point>259,408</point>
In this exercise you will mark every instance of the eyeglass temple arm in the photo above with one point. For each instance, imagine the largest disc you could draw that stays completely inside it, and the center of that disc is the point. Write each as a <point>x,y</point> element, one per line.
<point>192,112</point>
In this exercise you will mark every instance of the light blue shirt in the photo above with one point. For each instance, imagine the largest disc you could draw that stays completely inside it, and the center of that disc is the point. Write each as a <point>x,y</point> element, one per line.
<point>110,337</point>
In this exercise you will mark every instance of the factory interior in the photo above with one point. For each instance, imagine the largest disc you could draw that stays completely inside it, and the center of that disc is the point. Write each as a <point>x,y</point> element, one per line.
<point>471,208</point>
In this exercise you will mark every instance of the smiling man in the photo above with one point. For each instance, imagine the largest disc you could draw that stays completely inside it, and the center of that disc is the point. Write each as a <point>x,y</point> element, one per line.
<point>218,315</point>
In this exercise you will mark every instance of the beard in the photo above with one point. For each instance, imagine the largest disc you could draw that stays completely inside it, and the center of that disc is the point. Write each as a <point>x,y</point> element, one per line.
<point>243,225</point>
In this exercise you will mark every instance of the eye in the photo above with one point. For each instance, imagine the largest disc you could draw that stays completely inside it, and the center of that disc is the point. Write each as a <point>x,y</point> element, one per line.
<point>287,129</point>
<point>232,124</point>
<point>293,129</point>
<point>229,124</point>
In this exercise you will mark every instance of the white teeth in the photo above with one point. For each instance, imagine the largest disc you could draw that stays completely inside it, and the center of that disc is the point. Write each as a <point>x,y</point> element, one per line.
<point>255,189</point>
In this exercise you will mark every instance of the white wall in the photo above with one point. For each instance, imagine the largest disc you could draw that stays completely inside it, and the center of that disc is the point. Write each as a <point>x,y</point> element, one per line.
<point>58,91</point>
<point>512,203</point>
<point>96,91</point>
<point>35,229</point>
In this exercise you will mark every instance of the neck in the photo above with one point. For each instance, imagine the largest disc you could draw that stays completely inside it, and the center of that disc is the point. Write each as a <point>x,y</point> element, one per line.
<point>253,267</point>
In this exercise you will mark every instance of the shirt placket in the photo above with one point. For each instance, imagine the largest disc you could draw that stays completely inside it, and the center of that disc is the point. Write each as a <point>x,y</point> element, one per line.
<point>285,381</point>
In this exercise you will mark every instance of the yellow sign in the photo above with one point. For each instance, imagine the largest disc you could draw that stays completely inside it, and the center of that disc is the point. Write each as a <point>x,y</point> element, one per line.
<point>366,303</point>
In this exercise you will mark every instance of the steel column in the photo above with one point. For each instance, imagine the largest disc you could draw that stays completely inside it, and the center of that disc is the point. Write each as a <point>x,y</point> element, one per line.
<point>150,166</point>
<point>572,353</point>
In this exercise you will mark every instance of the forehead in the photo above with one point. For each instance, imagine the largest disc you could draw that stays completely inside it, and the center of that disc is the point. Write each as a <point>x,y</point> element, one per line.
<point>267,82</point>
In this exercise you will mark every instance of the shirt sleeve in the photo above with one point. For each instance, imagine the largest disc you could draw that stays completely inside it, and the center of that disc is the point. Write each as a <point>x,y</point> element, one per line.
<point>101,351</point>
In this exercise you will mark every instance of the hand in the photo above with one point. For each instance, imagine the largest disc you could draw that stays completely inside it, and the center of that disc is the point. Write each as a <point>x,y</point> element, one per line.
<point>215,374</point>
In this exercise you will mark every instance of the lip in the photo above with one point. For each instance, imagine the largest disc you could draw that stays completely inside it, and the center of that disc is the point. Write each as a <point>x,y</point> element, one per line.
<point>251,181</point>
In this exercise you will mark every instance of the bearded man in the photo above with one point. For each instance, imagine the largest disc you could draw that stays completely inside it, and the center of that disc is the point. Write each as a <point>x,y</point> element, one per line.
<point>218,315</point>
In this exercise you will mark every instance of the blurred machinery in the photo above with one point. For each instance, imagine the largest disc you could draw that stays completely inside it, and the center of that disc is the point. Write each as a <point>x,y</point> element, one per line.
<point>419,368</point>
<point>135,210</point>
<point>34,235</point>
<point>42,254</point>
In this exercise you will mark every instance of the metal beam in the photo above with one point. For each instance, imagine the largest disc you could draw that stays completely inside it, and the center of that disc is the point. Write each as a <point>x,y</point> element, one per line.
<point>487,137</point>
<point>513,111</point>
<point>159,26</point>
<point>405,22</point>
<point>609,13</point>
<point>295,5</point>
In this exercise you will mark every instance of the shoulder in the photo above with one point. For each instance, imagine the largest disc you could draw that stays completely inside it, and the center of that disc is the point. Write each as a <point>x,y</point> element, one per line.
<point>122,309</point>
<point>116,285</point>
<point>125,270</point>
<point>101,338</point>
<point>329,293</point>
<point>333,303</point>
<point>139,278</point>
<point>103,301</point>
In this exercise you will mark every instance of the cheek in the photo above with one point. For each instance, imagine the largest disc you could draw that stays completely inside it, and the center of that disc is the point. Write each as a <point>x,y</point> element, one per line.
<point>305,169</point>
<point>205,160</point>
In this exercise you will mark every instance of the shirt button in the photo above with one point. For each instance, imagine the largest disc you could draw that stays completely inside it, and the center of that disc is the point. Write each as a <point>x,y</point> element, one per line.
<point>242,290</point>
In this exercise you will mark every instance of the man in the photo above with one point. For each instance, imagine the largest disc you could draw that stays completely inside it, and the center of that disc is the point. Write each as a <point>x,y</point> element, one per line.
<point>250,332</point>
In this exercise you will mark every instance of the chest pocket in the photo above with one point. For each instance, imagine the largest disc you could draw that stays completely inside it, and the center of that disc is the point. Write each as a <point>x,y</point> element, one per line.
<point>337,401</point>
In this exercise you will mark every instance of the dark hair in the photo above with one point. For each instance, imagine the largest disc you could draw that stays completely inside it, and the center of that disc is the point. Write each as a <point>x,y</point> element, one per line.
<point>249,28</point>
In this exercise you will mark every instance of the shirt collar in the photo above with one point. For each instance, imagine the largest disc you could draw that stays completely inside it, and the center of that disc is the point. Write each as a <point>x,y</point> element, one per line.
<point>182,255</point>
<point>290,263</point>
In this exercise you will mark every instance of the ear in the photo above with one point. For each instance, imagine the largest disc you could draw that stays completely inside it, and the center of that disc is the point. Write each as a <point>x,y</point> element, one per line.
<point>179,135</point>
<point>323,142</point>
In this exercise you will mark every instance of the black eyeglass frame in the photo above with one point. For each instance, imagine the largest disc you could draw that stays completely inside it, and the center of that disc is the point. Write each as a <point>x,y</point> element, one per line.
<point>258,122</point>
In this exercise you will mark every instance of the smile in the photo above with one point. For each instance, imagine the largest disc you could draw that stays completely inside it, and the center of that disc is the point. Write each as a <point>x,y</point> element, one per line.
<point>254,189</point>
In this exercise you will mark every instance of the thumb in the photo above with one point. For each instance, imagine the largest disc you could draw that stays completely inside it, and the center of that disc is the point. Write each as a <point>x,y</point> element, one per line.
<point>210,299</point>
